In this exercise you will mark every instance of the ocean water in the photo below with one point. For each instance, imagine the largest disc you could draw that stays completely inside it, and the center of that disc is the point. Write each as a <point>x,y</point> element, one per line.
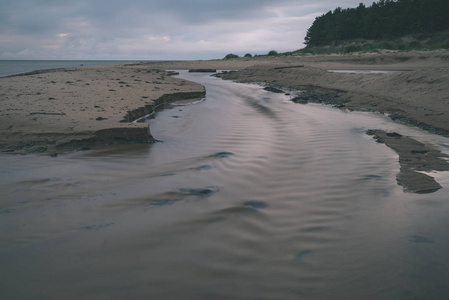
<point>13,67</point>
<point>248,196</point>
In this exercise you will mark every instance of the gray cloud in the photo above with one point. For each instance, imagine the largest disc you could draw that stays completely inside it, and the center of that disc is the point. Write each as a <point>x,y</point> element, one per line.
<point>155,29</point>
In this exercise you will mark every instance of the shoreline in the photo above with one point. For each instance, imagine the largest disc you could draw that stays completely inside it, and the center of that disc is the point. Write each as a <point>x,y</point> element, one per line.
<point>60,110</point>
<point>414,158</point>
<point>418,96</point>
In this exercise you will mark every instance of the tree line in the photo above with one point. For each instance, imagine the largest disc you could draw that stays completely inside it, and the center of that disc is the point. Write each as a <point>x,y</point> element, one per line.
<point>383,20</point>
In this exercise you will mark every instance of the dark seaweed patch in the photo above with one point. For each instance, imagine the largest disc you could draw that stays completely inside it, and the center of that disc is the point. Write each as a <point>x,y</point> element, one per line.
<point>168,174</point>
<point>202,192</point>
<point>256,204</point>
<point>97,226</point>
<point>273,90</point>
<point>394,134</point>
<point>163,202</point>
<point>203,167</point>
<point>222,154</point>
<point>419,151</point>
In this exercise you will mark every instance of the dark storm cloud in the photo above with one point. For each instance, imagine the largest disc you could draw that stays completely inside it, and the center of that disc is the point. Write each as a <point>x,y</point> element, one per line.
<point>155,29</point>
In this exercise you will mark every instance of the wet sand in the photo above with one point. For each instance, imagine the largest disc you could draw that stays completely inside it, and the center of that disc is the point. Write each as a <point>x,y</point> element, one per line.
<point>414,159</point>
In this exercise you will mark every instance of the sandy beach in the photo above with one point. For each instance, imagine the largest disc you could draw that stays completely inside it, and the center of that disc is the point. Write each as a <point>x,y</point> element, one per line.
<point>92,105</point>
<point>61,110</point>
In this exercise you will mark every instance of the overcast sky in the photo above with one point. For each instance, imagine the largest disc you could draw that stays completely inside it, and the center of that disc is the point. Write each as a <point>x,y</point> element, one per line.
<point>155,29</point>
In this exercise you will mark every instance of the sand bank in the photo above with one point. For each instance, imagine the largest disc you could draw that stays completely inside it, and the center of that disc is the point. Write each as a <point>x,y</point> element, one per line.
<point>414,158</point>
<point>59,110</point>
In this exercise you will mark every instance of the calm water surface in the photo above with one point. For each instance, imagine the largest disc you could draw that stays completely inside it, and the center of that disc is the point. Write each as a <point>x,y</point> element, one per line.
<point>12,67</point>
<point>249,196</point>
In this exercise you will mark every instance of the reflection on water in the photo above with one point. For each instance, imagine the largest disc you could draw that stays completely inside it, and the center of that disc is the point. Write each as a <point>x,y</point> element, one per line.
<point>249,196</point>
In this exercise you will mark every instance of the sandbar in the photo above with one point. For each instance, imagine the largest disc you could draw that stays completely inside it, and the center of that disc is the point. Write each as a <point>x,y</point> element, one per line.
<point>65,109</point>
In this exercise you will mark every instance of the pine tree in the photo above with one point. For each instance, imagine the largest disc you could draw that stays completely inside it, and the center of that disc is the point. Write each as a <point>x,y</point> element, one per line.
<point>385,19</point>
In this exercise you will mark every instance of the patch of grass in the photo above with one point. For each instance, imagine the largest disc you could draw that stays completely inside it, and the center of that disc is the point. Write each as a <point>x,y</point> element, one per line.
<point>414,45</point>
<point>352,48</point>
<point>426,41</point>
<point>319,50</point>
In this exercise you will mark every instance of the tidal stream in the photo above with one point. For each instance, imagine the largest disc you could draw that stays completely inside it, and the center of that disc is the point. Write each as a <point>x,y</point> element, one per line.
<point>248,196</point>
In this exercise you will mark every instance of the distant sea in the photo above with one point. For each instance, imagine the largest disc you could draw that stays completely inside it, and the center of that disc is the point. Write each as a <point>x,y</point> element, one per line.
<point>13,67</point>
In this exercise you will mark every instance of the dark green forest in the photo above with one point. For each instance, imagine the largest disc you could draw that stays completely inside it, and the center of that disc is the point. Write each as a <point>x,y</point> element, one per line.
<point>383,20</point>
